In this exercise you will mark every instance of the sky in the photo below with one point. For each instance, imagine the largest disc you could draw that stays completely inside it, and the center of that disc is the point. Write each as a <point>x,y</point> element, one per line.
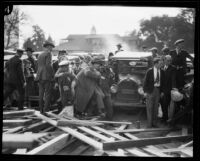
<point>60,21</point>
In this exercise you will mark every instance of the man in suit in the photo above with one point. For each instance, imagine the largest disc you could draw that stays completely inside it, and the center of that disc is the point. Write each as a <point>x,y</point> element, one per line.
<point>15,79</point>
<point>169,84</point>
<point>179,62</point>
<point>45,77</point>
<point>153,89</point>
<point>87,87</point>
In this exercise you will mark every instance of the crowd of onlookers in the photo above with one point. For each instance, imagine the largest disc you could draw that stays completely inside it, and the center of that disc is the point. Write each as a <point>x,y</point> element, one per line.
<point>85,82</point>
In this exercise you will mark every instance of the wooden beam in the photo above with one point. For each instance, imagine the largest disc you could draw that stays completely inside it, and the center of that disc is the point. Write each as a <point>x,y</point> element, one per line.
<point>14,130</point>
<point>76,123</point>
<point>114,122</point>
<point>186,145</point>
<point>175,149</point>
<point>156,152</point>
<point>20,140</point>
<point>12,114</point>
<point>143,142</point>
<point>73,132</point>
<point>141,130</point>
<point>14,123</point>
<point>51,147</point>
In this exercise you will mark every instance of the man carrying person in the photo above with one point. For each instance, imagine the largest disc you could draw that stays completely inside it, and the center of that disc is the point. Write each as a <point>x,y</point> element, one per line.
<point>87,88</point>
<point>45,77</point>
<point>16,79</point>
<point>153,89</point>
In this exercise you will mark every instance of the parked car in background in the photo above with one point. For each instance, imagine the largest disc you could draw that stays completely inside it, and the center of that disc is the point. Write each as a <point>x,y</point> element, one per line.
<point>128,92</point>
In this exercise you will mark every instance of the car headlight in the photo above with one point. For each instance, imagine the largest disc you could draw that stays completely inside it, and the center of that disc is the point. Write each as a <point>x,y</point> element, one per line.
<point>113,88</point>
<point>140,91</point>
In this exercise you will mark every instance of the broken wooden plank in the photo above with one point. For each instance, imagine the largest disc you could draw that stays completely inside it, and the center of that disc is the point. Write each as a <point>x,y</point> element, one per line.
<point>51,147</point>
<point>156,152</point>
<point>76,123</point>
<point>143,142</point>
<point>188,152</point>
<point>73,132</point>
<point>12,114</point>
<point>114,122</point>
<point>175,149</point>
<point>186,145</point>
<point>14,123</point>
<point>20,140</point>
<point>141,130</point>
<point>14,130</point>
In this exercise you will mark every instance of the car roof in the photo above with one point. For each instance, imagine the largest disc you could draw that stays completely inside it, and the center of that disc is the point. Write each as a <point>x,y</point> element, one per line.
<point>127,55</point>
<point>7,57</point>
<point>72,57</point>
<point>9,52</point>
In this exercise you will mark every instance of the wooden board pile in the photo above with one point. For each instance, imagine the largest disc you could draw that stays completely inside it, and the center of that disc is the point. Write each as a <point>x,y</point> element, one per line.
<point>30,133</point>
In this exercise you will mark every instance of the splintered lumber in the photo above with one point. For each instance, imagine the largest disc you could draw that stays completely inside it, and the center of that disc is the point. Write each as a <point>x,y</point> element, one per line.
<point>73,132</point>
<point>20,140</point>
<point>12,114</point>
<point>77,123</point>
<point>37,127</point>
<point>141,130</point>
<point>114,122</point>
<point>144,142</point>
<point>14,130</point>
<point>51,147</point>
<point>187,144</point>
<point>14,123</point>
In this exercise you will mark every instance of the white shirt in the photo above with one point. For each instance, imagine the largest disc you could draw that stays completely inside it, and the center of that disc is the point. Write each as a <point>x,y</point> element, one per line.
<point>155,75</point>
<point>165,67</point>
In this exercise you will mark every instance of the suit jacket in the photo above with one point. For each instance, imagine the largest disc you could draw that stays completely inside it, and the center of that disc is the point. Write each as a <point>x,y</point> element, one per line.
<point>14,68</point>
<point>170,79</point>
<point>33,63</point>
<point>149,81</point>
<point>87,84</point>
<point>45,69</point>
<point>180,59</point>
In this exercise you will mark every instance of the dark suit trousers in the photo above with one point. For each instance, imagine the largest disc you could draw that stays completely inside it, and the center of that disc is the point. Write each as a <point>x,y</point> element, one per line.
<point>152,101</point>
<point>165,101</point>
<point>9,88</point>
<point>44,91</point>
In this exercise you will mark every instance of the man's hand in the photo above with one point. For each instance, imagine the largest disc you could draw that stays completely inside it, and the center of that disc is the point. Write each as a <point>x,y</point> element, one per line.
<point>56,86</point>
<point>24,84</point>
<point>162,94</point>
<point>145,95</point>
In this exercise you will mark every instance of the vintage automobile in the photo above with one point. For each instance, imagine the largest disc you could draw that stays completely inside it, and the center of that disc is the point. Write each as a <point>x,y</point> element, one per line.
<point>131,67</point>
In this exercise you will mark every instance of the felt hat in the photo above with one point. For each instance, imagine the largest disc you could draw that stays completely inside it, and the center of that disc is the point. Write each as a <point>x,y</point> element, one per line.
<point>47,43</point>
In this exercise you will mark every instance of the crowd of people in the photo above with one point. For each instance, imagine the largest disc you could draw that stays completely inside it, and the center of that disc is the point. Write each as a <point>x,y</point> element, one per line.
<point>85,83</point>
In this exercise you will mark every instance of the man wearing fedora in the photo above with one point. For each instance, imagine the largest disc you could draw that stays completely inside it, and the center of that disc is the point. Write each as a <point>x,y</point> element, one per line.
<point>16,79</point>
<point>45,76</point>
<point>179,62</point>
<point>119,48</point>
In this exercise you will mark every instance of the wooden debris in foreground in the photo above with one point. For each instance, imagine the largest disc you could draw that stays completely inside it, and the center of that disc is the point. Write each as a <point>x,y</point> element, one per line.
<point>77,123</point>
<point>12,114</point>
<point>143,142</point>
<point>14,123</point>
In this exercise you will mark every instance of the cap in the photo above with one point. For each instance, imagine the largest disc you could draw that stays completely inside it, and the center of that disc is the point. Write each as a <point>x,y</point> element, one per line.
<point>30,49</point>
<point>165,49</point>
<point>47,43</point>
<point>63,63</point>
<point>20,50</point>
<point>154,49</point>
<point>179,41</point>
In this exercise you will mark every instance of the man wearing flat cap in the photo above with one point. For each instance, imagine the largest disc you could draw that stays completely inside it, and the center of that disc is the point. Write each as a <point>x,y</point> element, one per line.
<point>87,88</point>
<point>154,52</point>
<point>179,62</point>
<point>16,79</point>
<point>45,77</point>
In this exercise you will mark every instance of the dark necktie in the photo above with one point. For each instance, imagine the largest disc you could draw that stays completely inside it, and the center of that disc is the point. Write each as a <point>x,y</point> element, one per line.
<point>157,77</point>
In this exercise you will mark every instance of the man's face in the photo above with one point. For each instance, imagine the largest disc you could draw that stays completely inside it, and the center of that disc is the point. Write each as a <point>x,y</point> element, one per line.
<point>20,54</point>
<point>179,46</point>
<point>49,48</point>
<point>167,61</point>
<point>96,66</point>
<point>29,53</point>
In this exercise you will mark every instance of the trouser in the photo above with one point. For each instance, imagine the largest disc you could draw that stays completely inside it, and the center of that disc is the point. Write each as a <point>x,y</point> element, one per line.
<point>9,88</point>
<point>29,89</point>
<point>165,102</point>
<point>44,90</point>
<point>152,106</point>
<point>108,107</point>
<point>180,81</point>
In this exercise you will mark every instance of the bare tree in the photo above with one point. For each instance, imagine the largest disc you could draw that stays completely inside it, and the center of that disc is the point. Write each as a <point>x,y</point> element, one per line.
<point>11,27</point>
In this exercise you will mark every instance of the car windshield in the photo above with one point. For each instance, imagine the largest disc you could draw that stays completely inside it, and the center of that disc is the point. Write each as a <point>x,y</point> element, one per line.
<point>132,66</point>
